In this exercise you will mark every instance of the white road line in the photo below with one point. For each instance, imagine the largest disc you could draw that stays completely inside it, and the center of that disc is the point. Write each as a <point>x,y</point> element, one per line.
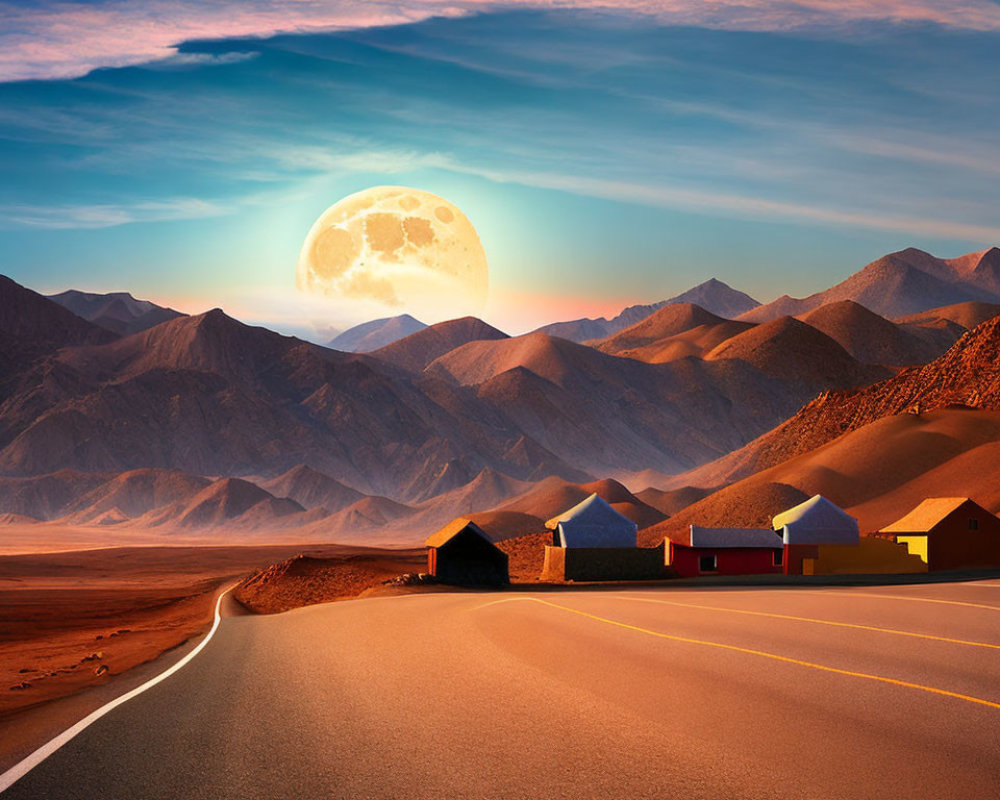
<point>27,764</point>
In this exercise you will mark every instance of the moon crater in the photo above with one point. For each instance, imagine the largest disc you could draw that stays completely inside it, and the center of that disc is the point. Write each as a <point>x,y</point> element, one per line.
<point>401,247</point>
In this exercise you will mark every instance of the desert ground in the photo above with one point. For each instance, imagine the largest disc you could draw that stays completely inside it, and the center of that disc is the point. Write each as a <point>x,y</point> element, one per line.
<point>674,691</point>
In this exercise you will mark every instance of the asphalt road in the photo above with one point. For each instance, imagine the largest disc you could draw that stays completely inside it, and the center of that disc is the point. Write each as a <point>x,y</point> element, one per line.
<point>667,693</point>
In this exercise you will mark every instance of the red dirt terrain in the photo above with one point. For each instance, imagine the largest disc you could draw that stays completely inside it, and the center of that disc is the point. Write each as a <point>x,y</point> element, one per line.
<point>967,375</point>
<point>306,580</point>
<point>77,619</point>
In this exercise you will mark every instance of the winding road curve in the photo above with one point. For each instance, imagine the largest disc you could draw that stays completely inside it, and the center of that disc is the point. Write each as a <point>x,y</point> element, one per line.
<point>676,692</point>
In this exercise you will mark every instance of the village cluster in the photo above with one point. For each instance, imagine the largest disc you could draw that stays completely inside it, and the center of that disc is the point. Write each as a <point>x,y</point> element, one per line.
<point>594,542</point>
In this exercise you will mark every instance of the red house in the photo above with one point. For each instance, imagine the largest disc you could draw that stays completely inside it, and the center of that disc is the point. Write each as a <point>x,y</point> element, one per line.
<point>724,551</point>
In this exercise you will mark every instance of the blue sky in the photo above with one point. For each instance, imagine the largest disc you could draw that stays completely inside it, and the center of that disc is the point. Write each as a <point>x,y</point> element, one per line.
<point>605,158</point>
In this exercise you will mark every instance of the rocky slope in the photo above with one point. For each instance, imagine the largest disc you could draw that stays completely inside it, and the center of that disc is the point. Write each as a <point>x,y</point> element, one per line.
<point>878,472</point>
<point>967,375</point>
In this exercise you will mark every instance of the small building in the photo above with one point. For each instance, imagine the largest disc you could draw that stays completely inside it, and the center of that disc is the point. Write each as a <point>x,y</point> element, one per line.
<point>809,525</point>
<point>949,533</point>
<point>724,551</point>
<point>593,523</point>
<point>594,542</point>
<point>462,553</point>
<point>603,563</point>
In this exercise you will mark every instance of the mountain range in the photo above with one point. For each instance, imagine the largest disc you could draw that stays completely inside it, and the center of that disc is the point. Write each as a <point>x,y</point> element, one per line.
<point>204,424</point>
<point>118,312</point>
<point>899,284</point>
<point>713,295</point>
<point>378,333</point>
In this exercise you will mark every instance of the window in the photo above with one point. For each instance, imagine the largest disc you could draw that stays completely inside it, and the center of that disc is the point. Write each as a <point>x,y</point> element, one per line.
<point>707,564</point>
<point>973,524</point>
<point>779,557</point>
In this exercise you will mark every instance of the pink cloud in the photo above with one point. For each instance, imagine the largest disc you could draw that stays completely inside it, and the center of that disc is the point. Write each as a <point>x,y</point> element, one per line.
<point>68,39</point>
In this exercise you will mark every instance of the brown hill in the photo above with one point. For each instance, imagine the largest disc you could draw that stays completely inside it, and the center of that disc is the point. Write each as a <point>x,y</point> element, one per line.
<point>225,502</point>
<point>562,394</point>
<point>502,525</point>
<point>666,321</point>
<point>132,494</point>
<point>672,501</point>
<point>303,580</point>
<point>311,489</point>
<point>980,269</point>
<point>691,343</point>
<point>968,374</point>
<point>878,472</point>
<point>712,295</point>
<point>488,489</point>
<point>211,342</point>
<point>46,497</point>
<point>209,395</point>
<point>40,323</point>
<point>894,285</point>
<point>869,338</point>
<point>416,351</point>
<point>368,513</point>
<point>793,351</point>
<point>118,312</point>
<point>32,327</point>
<point>674,332</point>
<point>966,315</point>
<point>553,496</point>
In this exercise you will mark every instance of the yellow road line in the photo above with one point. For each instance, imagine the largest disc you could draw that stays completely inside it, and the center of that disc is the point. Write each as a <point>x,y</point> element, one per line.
<point>761,653</point>
<point>903,597</point>
<point>815,621</point>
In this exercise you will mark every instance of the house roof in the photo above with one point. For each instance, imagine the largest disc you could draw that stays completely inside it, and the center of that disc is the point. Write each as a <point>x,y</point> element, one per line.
<point>594,523</point>
<point>452,529</point>
<point>926,515</point>
<point>594,509</point>
<point>817,521</point>
<point>816,512</point>
<point>734,537</point>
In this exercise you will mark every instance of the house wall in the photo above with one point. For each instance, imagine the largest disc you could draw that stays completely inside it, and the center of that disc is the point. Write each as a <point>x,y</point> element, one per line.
<point>795,555</point>
<point>603,563</point>
<point>915,545</point>
<point>468,559</point>
<point>870,556</point>
<point>952,545</point>
<point>730,560</point>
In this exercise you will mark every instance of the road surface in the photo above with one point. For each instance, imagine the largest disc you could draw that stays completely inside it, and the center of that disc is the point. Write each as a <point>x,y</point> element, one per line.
<point>778,692</point>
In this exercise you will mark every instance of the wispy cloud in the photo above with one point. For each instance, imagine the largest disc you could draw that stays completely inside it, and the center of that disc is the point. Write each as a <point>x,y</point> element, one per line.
<point>55,39</point>
<point>107,215</point>
<point>743,206</point>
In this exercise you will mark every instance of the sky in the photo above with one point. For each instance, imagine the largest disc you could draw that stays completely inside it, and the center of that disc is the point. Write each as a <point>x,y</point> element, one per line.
<point>607,154</point>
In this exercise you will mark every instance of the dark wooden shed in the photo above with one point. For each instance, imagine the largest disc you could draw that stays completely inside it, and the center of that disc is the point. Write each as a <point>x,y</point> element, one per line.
<point>462,553</point>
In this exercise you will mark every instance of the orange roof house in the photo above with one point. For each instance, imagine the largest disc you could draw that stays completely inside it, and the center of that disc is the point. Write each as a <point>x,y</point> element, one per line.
<point>950,533</point>
<point>461,552</point>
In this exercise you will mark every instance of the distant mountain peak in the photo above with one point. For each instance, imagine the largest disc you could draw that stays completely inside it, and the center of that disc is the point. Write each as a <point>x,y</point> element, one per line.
<point>369,336</point>
<point>419,349</point>
<point>717,297</point>
<point>118,312</point>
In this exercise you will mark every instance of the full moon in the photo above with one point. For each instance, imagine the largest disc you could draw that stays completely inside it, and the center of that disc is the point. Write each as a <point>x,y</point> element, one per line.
<point>403,248</point>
